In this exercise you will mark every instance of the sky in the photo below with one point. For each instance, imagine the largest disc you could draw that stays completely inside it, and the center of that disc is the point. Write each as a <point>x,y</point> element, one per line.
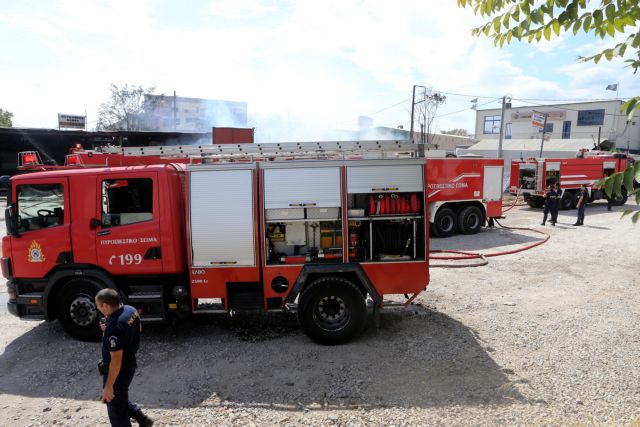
<point>303,67</point>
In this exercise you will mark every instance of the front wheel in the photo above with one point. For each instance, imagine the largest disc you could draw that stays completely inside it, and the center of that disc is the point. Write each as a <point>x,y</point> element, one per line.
<point>332,310</point>
<point>77,310</point>
<point>445,222</point>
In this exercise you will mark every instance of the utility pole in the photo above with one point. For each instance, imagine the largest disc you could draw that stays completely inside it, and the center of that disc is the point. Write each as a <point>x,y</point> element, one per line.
<point>413,105</point>
<point>174,110</point>
<point>504,104</point>
<point>544,128</point>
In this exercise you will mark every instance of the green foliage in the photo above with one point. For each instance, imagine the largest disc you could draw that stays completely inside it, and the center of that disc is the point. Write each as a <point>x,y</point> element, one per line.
<point>124,108</point>
<point>531,20</point>
<point>5,119</point>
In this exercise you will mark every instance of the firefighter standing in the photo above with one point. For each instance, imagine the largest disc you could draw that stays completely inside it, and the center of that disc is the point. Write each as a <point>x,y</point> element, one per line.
<point>120,342</point>
<point>550,204</point>
<point>554,213</point>
<point>583,198</point>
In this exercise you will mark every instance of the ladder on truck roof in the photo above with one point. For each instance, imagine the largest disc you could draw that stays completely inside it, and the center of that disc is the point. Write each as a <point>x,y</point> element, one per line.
<point>328,150</point>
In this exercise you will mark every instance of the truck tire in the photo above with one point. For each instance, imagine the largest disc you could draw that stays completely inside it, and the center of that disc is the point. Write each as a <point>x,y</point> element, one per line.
<point>469,220</point>
<point>445,222</point>
<point>535,202</point>
<point>619,200</point>
<point>565,201</point>
<point>77,310</point>
<point>332,310</point>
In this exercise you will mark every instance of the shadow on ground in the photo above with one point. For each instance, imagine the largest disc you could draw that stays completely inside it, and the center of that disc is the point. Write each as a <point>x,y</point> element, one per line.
<point>418,358</point>
<point>487,238</point>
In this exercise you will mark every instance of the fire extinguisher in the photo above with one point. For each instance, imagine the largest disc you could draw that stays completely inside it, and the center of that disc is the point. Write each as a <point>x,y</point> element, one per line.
<point>354,238</point>
<point>372,205</point>
<point>415,203</point>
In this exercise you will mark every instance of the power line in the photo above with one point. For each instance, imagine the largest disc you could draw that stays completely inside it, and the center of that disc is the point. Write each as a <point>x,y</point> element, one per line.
<point>376,112</point>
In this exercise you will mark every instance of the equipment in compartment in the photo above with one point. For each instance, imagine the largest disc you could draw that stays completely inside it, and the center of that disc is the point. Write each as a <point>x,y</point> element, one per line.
<point>394,204</point>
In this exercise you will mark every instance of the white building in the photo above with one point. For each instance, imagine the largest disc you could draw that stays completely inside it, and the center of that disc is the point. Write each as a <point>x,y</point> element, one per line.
<point>576,121</point>
<point>570,127</point>
<point>179,113</point>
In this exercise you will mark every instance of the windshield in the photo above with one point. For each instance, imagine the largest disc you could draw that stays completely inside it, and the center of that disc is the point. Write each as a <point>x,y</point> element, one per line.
<point>39,206</point>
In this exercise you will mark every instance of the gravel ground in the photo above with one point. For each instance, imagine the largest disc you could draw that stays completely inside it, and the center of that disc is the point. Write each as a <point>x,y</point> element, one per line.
<point>547,336</point>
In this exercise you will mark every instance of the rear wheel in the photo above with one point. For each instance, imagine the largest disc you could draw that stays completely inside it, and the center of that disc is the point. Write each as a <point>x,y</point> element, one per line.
<point>566,200</point>
<point>77,310</point>
<point>619,200</point>
<point>445,222</point>
<point>536,202</point>
<point>470,220</point>
<point>332,310</point>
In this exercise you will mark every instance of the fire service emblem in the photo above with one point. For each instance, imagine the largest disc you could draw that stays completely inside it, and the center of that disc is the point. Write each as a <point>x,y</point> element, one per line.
<point>35,252</point>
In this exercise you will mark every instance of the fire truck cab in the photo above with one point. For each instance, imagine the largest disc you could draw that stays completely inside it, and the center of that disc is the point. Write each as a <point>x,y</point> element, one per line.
<point>320,237</point>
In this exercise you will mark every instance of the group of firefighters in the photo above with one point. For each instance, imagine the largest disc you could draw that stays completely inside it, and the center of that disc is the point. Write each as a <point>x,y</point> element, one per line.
<point>552,198</point>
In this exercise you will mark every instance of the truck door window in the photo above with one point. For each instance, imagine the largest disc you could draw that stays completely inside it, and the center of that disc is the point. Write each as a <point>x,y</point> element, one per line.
<point>126,201</point>
<point>39,206</point>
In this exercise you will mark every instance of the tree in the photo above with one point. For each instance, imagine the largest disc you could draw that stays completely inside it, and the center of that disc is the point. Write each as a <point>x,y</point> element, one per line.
<point>124,109</point>
<point>457,131</point>
<point>532,20</point>
<point>426,109</point>
<point>5,119</point>
<point>529,20</point>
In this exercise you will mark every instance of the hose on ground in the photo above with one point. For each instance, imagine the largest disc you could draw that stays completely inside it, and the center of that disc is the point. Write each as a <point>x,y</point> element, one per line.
<point>463,255</point>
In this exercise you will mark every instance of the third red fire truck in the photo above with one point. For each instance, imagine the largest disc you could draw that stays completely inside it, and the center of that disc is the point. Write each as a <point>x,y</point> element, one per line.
<point>531,177</point>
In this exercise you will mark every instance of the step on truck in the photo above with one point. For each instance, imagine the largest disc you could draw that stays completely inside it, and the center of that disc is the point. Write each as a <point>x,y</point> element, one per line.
<point>324,231</point>
<point>531,177</point>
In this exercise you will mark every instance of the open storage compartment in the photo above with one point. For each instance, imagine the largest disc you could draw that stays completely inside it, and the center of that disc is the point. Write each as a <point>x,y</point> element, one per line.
<point>303,219</point>
<point>386,213</point>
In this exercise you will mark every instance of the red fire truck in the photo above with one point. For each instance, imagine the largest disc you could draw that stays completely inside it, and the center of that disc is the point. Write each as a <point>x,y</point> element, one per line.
<point>319,230</point>
<point>463,193</point>
<point>531,177</point>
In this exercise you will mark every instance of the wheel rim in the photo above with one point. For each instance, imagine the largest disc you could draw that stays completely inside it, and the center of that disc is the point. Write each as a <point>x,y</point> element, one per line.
<point>331,313</point>
<point>472,221</point>
<point>446,224</point>
<point>82,310</point>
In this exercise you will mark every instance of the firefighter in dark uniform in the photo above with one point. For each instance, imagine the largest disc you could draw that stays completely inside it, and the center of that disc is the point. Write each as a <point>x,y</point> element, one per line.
<point>554,214</point>
<point>550,204</point>
<point>583,199</point>
<point>120,342</point>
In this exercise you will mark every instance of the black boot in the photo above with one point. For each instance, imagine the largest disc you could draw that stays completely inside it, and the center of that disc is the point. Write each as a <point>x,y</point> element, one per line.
<point>142,419</point>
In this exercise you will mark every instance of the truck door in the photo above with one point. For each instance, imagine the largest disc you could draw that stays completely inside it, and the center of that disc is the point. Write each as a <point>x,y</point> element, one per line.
<point>128,234</point>
<point>43,226</point>
<point>491,187</point>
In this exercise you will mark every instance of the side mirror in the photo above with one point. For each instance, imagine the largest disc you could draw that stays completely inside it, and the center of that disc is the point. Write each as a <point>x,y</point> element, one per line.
<point>11,220</point>
<point>95,223</point>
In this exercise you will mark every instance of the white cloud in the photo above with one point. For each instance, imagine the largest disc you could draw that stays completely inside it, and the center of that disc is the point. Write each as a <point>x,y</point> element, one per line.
<point>237,9</point>
<point>313,64</point>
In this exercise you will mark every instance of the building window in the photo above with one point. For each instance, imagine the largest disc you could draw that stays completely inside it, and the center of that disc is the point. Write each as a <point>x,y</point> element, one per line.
<point>590,117</point>
<point>548,128</point>
<point>491,125</point>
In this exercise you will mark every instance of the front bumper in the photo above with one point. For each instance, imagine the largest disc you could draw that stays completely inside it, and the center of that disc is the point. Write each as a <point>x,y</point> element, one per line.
<point>28,305</point>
